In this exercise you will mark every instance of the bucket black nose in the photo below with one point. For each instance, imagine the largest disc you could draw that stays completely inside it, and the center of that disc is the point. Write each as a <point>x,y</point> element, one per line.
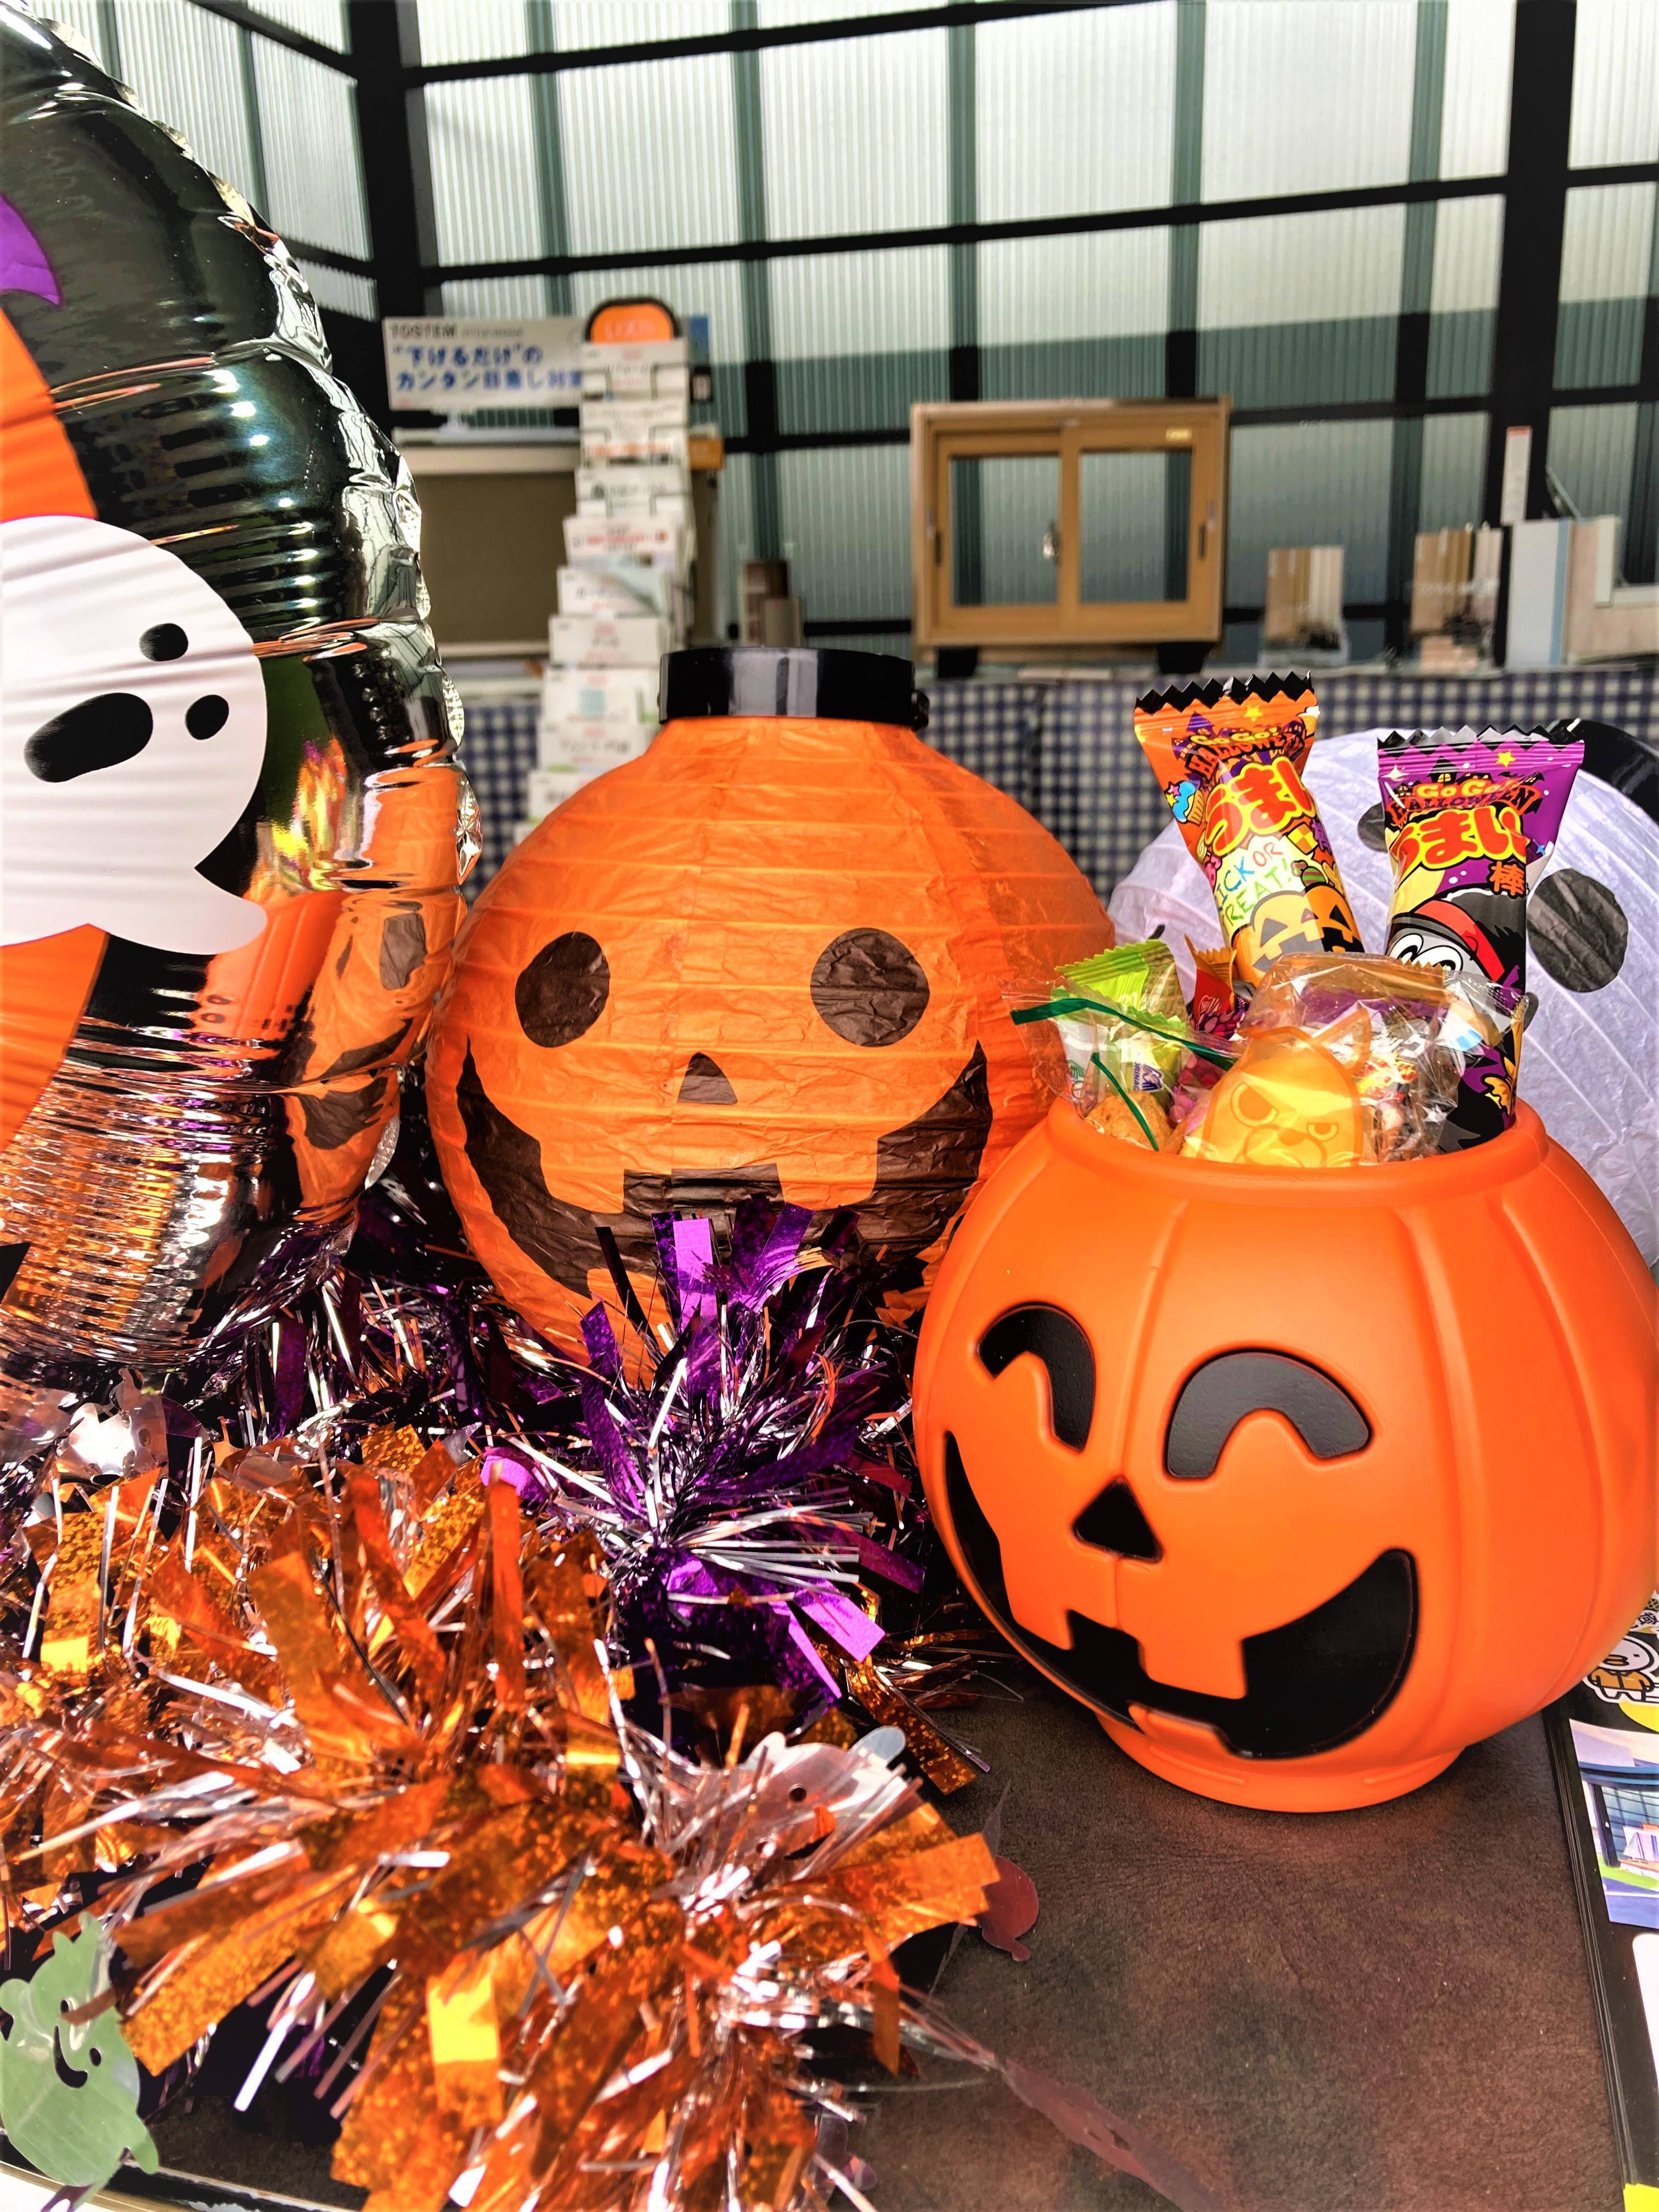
<point>706,1084</point>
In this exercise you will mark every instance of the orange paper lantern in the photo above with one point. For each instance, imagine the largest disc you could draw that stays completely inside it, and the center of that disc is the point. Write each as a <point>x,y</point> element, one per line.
<point>1303,1477</point>
<point>768,957</point>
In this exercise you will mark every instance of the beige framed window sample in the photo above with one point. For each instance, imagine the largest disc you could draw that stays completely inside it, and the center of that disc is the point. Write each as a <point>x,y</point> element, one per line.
<point>1070,523</point>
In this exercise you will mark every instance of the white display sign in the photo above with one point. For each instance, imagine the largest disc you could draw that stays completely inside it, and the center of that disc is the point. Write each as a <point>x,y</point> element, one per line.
<point>449,365</point>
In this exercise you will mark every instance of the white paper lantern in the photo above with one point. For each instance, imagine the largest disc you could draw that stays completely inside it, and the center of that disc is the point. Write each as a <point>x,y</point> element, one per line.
<point>1590,1065</point>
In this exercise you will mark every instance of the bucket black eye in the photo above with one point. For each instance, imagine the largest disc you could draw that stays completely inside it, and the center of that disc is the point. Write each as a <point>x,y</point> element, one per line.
<point>563,989</point>
<point>869,988</point>
<point>164,642</point>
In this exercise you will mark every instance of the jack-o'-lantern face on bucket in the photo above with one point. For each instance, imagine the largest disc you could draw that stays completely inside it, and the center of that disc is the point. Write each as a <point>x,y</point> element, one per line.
<point>1279,1688</point>
<point>766,958</point>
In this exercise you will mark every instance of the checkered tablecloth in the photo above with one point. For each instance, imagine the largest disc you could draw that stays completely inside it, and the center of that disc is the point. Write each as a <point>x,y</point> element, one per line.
<point>991,728</point>
<point>498,751</point>
<point>1067,751</point>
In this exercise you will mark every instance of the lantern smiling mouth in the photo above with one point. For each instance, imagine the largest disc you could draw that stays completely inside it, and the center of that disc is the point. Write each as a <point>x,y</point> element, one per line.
<point>923,1172</point>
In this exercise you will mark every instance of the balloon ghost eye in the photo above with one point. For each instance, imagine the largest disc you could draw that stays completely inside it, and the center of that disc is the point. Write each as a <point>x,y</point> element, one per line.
<point>562,992</point>
<point>97,733</point>
<point>206,717</point>
<point>869,988</point>
<point>164,642</point>
<point>95,2056</point>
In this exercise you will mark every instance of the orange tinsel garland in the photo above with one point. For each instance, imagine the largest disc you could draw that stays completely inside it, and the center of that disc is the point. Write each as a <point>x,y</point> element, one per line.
<point>371,1714</point>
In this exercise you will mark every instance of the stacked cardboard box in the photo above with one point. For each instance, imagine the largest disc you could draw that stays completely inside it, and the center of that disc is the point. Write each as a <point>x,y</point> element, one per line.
<point>624,595</point>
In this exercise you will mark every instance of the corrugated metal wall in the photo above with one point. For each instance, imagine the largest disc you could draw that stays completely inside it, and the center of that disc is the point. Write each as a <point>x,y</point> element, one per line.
<point>858,143</point>
<point>852,144</point>
<point>278,125</point>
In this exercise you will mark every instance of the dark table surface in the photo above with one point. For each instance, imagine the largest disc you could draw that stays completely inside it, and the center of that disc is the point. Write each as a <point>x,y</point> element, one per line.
<point>1383,2011</point>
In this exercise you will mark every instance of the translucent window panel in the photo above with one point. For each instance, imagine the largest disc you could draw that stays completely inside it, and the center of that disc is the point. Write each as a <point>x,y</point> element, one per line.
<point>186,68</point>
<point>1300,268</point>
<point>472,30</point>
<point>1474,108</point>
<point>1075,111</point>
<point>339,289</point>
<point>1306,100</point>
<point>1591,451</point>
<point>634,22</point>
<point>1454,471</point>
<point>308,121</point>
<point>1104,284</point>
<point>1309,483</point>
<point>1004,510</point>
<point>84,19</point>
<point>497,298</point>
<point>649,159</point>
<point>827,305</point>
<point>1615,83</point>
<point>322,20</point>
<point>1468,252</point>
<point>846,531</point>
<point>482,136</point>
<point>772,14</point>
<point>1607,243</point>
<point>714,288</point>
<point>1134,514</point>
<point>857,135</point>
<point>1607,272</point>
<point>735,534</point>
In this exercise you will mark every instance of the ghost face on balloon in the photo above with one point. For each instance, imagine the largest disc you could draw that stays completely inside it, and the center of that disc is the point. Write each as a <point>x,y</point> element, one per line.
<point>131,738</point>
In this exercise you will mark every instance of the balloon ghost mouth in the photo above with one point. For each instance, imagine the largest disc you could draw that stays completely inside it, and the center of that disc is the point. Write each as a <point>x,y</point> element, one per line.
<point>1314,1683</point>
<point>923,1173</point>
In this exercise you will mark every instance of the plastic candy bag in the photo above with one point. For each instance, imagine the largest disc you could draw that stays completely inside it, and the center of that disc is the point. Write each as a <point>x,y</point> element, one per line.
<point>1348,1060</point>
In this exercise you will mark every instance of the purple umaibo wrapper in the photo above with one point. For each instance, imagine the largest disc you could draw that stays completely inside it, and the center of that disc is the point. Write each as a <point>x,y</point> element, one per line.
<point>1469,822</point>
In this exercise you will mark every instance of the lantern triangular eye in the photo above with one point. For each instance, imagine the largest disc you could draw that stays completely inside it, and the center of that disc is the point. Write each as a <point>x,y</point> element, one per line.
<point>1115,1522</point>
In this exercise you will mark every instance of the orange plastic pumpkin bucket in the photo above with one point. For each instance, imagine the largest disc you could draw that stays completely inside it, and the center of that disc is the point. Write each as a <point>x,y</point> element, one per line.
<point>1303,1479</point>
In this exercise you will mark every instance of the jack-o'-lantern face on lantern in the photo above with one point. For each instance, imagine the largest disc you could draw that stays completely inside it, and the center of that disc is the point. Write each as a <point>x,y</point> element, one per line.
<point>868,992</point>
<point>788,985</point>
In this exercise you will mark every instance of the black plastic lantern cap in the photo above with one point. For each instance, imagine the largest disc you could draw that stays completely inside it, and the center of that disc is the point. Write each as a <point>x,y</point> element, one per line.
<point>799,681</point>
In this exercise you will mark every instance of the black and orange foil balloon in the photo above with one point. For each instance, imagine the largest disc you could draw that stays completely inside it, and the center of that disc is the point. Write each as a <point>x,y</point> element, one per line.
<point>766,957</point>
<point>228,878</point>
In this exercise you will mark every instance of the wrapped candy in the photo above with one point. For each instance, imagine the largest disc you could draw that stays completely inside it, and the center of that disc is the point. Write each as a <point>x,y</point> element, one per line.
<point>1125,1042</point>
<point>1145,1053</point>
<point>1345,1059</point>
<point>1216,1005</point>
<point>1229,757</point>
